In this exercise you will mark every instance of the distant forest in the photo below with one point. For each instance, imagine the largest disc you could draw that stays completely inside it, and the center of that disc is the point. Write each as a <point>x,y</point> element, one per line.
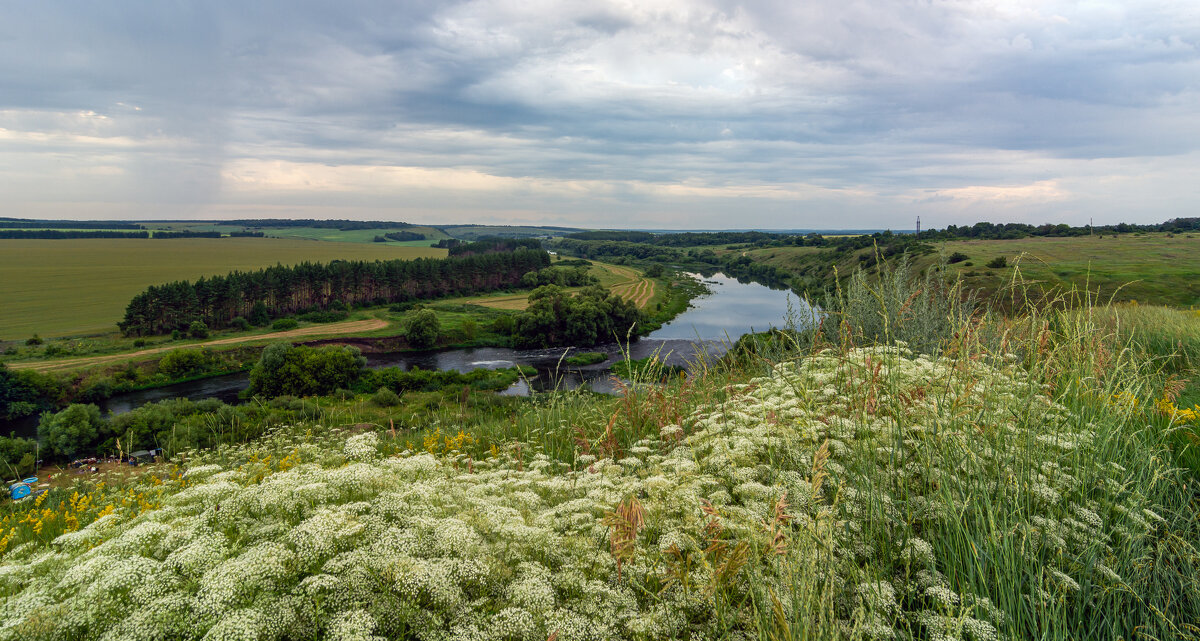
<point>28,223</point>
<point>279,291</point>
<point>340,225</point>
<point>60,234</point>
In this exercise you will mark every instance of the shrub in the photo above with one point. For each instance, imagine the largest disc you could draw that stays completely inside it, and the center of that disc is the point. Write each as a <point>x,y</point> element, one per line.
<point>957,257</point>
<point>323,317</point>
<point>998,262</point>
<point>198,329</point>
<point>422,328</point>
<point>385,397</point>
<point>71,431</point>
<point>285,324</point>
<point>17,454</point>
<point>141,342</point>
<point>586,358</point>
<point>34,340</point>
<point>184,362</point>
<point>176,334</point>
<point>654,271</point>
<point>239,323</point>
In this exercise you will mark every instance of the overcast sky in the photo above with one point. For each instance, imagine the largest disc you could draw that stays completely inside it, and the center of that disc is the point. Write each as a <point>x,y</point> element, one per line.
<point>646,114</point>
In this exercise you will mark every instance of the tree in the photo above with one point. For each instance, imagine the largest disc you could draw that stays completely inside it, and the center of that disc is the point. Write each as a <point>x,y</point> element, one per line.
<point>259,315</point>
<point>198,329</point>
<point>71,431</point>
<point>554,317</point>
<point>423,328</point>
<point>284,369</point>
<point>654,271</point>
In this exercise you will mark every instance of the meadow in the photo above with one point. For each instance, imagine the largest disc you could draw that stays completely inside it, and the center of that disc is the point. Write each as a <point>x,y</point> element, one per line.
<point>1012,478</point>
<point>1158,268</point>
<point>79,287</point>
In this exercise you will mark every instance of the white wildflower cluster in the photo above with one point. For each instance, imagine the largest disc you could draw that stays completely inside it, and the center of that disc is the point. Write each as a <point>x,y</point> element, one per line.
<point>733,502</point>
<point>362,447</point>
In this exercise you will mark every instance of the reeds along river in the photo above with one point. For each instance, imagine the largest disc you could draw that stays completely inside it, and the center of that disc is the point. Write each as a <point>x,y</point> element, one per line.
<point>713,323</point>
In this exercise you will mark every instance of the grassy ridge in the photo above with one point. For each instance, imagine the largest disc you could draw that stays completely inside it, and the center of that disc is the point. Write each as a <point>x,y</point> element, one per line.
<point>67,287</point>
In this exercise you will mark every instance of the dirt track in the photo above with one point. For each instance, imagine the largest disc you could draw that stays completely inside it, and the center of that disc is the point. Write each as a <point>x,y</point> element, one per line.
<point>347,327</point>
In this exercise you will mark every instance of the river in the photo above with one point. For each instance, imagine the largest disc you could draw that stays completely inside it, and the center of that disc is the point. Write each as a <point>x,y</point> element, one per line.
<point>707,329</point>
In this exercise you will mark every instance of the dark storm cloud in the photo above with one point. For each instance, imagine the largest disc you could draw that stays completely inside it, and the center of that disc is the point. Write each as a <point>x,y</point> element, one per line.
<point>667,113</point>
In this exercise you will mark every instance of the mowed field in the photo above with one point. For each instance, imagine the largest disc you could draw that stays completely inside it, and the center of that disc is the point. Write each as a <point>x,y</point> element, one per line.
<point>625,282</point>
<point>77,287</point>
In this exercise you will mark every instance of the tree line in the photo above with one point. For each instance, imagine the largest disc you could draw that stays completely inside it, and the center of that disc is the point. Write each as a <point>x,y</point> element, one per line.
<point>29,223</point>
<point>219,300</point>
<point>340,225</point>
<point>63,234</point>
<point>59,234</point>
<point>401,236</point>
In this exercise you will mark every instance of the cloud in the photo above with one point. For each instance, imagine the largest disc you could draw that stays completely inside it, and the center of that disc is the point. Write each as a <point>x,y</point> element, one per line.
<point>710,114</point>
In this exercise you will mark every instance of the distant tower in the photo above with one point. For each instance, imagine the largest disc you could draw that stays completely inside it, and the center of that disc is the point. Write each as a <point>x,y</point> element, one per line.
<point>918,226</point>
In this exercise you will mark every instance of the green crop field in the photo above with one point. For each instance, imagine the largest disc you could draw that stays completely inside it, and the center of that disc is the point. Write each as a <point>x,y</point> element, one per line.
<point>73,287</point>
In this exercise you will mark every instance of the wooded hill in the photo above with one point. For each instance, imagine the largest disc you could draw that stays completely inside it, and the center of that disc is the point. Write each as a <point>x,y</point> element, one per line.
<point>317,286</point>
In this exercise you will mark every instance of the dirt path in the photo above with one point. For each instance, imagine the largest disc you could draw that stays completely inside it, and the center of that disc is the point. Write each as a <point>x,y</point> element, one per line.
<point>347,327</point>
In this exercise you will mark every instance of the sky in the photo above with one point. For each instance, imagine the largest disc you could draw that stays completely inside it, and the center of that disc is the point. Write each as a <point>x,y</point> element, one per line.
<point>813,114</point>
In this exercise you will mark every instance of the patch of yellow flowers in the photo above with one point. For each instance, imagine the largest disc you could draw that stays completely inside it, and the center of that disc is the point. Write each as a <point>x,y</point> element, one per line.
<point>56,512</point>
<point>1177,414</point>
<point>437,443</point>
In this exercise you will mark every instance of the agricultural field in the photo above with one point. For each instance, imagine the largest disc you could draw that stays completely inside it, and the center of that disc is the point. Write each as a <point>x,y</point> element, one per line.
<point>432,234</point>
<point>474,232</point>
<point>626,282</point>
<point>80,287</point>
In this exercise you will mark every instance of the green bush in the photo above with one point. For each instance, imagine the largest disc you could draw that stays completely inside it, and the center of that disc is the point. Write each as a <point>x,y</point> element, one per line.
<point>239,323</point>
<point>185,362</point>
<point>18,455</point>
<point>198,329</point>
<point>586,358</point>
<point>998,262</point>
<point>285,324</point>
<point>422,328</point>
<point>385,397</point>
<point>957,257</point>
<point>71,431</point>
<point>34,340</point>
<point>323,317</point>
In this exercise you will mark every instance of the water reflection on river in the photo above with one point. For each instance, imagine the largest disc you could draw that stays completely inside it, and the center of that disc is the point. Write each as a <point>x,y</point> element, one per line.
<point>706,330</point>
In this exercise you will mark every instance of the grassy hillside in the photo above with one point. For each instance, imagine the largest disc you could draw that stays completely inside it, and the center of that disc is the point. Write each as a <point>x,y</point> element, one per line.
<point>68,287</point>
<point>1018,485</point>
<point>1157,268</point>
